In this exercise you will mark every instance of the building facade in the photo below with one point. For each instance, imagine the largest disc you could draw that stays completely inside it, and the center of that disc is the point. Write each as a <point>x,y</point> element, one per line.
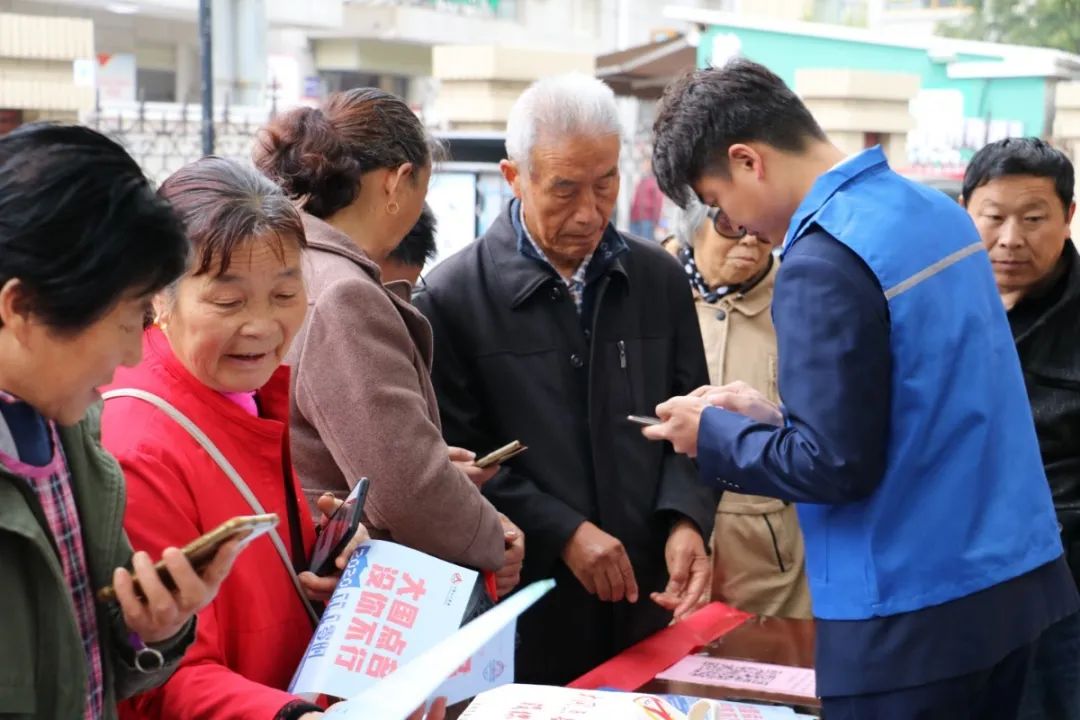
<point>966,93</point>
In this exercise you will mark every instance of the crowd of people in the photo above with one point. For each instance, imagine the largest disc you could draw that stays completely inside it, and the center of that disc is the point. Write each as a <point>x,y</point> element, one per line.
<point>867,399</point>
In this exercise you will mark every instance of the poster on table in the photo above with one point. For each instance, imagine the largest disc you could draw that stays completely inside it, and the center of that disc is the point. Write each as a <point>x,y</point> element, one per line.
<point>744,675</point>
<point>540,702</point>
<point>391,605</point>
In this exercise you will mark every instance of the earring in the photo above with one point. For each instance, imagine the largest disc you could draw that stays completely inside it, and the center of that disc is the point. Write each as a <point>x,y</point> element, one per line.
<point>392,207</point>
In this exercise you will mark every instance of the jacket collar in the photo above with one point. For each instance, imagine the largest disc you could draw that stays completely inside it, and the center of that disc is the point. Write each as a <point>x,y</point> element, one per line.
<point>521,275</point>
<point>401,289</point>
<point>757,299</point>
<point>321,235</point>
<point>96,481</point>
<point>826,186</point>
<point>1069,301</point>
<point>162,372</point>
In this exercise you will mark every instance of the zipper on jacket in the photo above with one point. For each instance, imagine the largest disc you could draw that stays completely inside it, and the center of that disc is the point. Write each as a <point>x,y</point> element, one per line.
<point>632,405</point>
<point>595,346</point>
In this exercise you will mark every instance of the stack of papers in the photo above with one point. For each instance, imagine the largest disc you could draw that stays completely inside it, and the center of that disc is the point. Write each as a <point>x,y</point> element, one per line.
<point>540,702</point>
<point>723,710</point>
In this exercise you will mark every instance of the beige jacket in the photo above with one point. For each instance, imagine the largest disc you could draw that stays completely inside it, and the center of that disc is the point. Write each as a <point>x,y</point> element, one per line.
<point>758,554</point>
<point>363,405</point>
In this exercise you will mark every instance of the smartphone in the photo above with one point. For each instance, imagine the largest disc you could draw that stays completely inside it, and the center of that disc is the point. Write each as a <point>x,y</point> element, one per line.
<point>643,419</point>
<point>339,530</point>
<point>201,551</point>
<point>501,455</point>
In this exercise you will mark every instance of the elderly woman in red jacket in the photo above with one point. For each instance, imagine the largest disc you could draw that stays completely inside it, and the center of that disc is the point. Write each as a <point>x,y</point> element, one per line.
<point>214,355</point>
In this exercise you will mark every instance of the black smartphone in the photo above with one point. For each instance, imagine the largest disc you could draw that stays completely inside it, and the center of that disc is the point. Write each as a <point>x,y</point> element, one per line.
<point>339,530</point>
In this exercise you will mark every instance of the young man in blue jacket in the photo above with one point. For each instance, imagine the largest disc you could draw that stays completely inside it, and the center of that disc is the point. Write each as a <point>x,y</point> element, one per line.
<point>905,434</point>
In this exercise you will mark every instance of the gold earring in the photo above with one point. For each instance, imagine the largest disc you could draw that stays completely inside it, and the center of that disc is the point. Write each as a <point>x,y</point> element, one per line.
<point>392,207</point>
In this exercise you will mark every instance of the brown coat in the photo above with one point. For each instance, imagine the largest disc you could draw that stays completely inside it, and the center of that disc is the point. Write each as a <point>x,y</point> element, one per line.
<point>758,553</point>
<point>363,405</point>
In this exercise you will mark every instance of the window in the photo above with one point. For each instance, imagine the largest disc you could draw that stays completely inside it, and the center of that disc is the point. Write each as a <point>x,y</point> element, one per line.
<point>338,80</point>
<point>155,85</point>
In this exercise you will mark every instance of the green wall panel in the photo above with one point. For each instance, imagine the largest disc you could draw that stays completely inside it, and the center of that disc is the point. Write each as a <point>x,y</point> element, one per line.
<point>1022,99</point>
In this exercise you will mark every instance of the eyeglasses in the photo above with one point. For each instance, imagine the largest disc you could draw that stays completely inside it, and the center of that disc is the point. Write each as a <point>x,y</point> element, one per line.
<point>723,227</point>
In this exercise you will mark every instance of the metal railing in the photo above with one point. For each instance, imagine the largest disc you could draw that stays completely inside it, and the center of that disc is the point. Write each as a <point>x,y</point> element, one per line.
<point>163,137</point>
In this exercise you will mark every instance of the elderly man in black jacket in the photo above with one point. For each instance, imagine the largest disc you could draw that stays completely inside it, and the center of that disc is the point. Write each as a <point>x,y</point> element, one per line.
<point>1019,192</point>
<point>551,329</point>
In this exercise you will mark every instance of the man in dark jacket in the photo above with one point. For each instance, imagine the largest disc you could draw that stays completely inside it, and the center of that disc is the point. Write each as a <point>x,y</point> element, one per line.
<point>551,329</point>
<point>1019,192</point>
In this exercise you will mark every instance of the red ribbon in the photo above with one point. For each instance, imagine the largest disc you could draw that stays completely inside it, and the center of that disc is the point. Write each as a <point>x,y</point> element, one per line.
<point>639,664</point>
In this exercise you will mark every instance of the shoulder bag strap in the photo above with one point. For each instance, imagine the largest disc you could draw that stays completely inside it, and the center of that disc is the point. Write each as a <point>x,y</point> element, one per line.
<point>227,468</point>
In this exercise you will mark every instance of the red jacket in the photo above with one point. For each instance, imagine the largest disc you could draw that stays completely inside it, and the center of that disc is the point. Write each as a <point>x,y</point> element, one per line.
<point>251,638</point>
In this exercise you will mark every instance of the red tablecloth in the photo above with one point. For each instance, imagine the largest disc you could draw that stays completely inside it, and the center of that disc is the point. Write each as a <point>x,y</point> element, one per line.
<point>639,664</point>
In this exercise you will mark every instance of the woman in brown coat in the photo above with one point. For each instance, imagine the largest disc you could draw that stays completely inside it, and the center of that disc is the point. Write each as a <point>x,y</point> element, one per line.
<point>363,403</point>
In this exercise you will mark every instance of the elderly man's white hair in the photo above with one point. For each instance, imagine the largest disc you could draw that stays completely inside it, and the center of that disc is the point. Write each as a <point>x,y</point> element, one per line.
<point>556,107</point>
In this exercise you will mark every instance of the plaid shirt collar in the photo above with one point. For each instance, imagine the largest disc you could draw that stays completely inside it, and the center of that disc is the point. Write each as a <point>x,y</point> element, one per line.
<point>607,252</point>
<point>576,282</point>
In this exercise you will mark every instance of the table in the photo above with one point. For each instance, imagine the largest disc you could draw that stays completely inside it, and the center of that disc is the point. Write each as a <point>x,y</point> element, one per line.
<point>760,639</point>
<point>721,632</point>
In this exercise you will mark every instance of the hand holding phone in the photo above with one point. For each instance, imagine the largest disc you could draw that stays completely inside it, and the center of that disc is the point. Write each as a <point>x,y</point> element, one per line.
<point>501,455</point>
<point>339,530</point>
<point>201,552</point>
<point>160,614</point>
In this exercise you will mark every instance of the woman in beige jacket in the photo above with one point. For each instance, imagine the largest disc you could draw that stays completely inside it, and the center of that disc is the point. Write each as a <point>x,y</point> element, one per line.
<point>758,556</point>
<point>363,403</point>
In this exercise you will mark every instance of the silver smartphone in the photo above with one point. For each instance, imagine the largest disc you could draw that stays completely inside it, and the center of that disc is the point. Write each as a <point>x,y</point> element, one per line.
<point>643,419</point>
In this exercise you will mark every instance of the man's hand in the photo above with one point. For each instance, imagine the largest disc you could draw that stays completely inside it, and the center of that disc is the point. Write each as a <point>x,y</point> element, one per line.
<point>680,417</point>
<point>740,398</point>
<point>689,570</point>
<point>319,589</point>
<point>165,612</point>
<point>600,563</point>
<point>464,459</point>
<point>509,575</point>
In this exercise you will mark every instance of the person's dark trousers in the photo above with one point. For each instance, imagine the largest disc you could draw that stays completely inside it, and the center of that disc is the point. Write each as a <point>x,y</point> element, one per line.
<point>1053,685</point>
<point>991,694</point>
